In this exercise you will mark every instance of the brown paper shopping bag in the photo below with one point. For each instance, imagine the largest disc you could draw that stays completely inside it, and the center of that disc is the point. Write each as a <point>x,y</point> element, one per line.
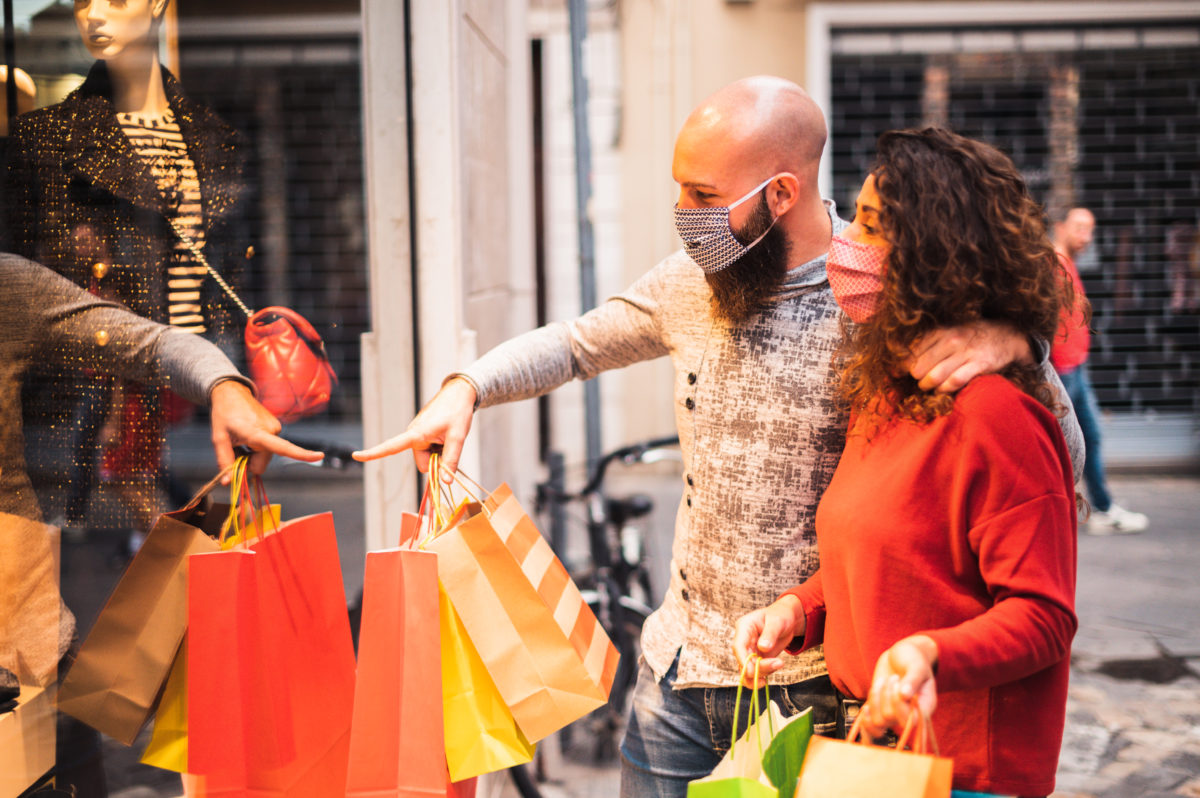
<point>850,769</point>
<point>32,615</point>
<point>548,655</point>
<point>122,666</point>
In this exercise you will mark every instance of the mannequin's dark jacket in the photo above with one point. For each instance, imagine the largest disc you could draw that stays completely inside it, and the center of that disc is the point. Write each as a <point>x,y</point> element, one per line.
<point>76,193</point>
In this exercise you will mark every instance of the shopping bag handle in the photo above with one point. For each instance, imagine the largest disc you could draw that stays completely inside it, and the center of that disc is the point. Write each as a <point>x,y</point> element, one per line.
<point>208,488</point>
<point>248,503</point>
<point>917,734</point>
<point>754,706</point>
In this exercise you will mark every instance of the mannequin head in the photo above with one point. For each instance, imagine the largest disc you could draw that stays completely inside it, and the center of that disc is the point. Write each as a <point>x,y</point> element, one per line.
<point>113,29</point>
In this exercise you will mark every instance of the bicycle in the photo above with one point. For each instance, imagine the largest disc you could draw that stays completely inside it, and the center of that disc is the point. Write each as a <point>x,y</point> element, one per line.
<point>616,583</point>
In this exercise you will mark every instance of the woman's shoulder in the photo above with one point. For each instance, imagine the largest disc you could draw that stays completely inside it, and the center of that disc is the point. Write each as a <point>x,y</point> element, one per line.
<point>992,406</point>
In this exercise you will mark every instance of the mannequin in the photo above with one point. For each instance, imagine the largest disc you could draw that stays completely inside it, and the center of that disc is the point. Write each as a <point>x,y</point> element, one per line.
<point>97,187</point>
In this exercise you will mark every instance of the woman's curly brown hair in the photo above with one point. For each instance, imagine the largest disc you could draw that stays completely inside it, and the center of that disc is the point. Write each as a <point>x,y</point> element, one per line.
<point>967,243</point>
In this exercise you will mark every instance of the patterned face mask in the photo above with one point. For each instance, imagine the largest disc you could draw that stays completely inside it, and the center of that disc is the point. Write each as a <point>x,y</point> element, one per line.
<point>708,237</point>
<point>856,274</point>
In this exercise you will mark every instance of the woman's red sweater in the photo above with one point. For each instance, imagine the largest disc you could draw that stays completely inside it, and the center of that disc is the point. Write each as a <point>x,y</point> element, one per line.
<point>962,529</point>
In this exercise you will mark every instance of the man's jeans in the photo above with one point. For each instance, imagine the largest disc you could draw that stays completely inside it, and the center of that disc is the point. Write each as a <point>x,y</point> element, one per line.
<point>1087,410</point>
<point>676,736</point>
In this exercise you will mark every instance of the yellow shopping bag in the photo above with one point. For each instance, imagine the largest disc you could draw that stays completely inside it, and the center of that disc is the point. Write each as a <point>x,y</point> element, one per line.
<point>481,735</point>
<point>168,741</point>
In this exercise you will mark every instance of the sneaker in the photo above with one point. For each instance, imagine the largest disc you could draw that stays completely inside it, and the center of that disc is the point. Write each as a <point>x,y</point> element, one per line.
<point>1117,521</point>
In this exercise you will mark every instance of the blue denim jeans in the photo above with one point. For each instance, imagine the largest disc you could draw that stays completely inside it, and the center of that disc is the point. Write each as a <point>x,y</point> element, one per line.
<point>1087,410</point>
<point>676,736</point>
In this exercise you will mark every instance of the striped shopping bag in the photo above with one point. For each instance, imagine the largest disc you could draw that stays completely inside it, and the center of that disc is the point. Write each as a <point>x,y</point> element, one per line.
<point>548,655</point>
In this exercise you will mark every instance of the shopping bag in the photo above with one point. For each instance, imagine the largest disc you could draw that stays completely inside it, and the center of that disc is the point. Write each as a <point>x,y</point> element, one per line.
<point>740,774</point>
<point>32,615</point>
<point>396,745</point>
<point>480,733</point>
<point>856,769</point>
<point>121,667</point>
<point>784,757</point>
<point>547,654</point>
<point>167,748</point>
<point>27,740</point>
<point>270,686</point>
<point>276,661</point>
<point>555,587</point>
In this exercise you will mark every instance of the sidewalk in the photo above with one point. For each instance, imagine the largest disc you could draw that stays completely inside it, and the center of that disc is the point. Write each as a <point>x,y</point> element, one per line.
<point>1134,708</point>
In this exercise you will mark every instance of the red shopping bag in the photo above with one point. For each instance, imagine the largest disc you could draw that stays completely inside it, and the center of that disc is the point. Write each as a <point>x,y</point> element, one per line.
<point>396,745</point>
<point>270,666</point>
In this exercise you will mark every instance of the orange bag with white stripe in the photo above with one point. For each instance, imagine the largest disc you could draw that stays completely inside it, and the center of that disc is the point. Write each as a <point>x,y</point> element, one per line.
<point>548,655</point>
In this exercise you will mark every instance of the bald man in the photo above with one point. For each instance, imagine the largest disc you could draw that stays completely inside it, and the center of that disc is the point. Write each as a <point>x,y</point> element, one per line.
<point>746,315</point>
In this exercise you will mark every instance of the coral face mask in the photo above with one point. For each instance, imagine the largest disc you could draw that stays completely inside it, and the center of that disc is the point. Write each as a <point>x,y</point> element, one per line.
<point>856,274</point>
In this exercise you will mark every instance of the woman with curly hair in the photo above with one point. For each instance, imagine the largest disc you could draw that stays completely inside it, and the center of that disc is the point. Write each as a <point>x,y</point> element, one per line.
<point>947,535</point>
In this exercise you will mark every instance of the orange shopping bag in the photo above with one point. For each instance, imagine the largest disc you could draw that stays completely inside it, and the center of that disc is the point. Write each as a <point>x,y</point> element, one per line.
<point>543,647</point>
<point>270,666</point>
<point>860,770</point>
<point>396,745</point>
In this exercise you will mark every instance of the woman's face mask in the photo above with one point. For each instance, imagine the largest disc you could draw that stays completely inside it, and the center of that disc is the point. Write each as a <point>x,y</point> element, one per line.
<point>708,237</point>
<point>856,273</point>
<point>857,259</point>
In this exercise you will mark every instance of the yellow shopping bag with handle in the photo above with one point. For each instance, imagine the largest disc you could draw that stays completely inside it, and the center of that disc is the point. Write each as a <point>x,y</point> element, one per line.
<point>481,735</point>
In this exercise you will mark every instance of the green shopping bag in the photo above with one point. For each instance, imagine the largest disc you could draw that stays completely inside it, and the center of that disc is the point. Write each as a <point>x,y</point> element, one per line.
<point>740,773</point>
<point>785,755</point>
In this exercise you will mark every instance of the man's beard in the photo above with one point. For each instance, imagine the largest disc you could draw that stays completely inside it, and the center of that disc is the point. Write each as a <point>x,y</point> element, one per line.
<point>740,288</point>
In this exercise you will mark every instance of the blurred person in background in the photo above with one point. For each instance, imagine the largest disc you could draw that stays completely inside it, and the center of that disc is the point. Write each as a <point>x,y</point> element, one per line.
<point>1072,231</point>
<point>947,535</point>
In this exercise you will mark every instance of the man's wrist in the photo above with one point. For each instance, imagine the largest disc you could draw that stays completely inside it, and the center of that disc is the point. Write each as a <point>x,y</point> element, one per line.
<point>469,383</point>
<point>229,381</point>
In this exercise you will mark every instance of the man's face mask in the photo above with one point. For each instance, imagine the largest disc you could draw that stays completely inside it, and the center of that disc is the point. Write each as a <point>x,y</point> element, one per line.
<point>856,274</point>
<point>708,237</point>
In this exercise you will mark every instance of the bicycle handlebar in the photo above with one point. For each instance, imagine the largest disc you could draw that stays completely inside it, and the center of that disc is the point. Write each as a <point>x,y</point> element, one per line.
<point>628,454</point>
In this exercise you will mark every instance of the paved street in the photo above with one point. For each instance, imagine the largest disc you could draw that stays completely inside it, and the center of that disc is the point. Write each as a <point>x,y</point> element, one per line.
<point>1134,708</point>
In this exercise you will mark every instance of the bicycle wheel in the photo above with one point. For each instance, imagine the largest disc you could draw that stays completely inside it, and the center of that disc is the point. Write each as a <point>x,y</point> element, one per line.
<point>524,782</point>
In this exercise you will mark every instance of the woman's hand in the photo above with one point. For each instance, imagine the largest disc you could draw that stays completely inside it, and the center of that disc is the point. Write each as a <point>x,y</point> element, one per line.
<point>765,633</point>
<point>903,673</point>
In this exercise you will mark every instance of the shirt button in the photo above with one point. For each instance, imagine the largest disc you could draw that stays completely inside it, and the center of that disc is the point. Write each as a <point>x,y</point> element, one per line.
<point>689,403</point>
<point>689,501</point>
<point>682,575</point>
<point>684,594</point>
<point>101,337</point>
<point>689,481</point>
<point>100,269</point>
<point>692,378</point>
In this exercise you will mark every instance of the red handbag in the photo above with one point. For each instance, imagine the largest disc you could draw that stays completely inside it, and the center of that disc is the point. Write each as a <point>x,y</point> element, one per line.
<point>284,354</point>
<point>287,361</point>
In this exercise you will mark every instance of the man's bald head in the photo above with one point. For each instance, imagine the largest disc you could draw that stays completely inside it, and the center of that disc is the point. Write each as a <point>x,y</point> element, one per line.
<point>763,123</point>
